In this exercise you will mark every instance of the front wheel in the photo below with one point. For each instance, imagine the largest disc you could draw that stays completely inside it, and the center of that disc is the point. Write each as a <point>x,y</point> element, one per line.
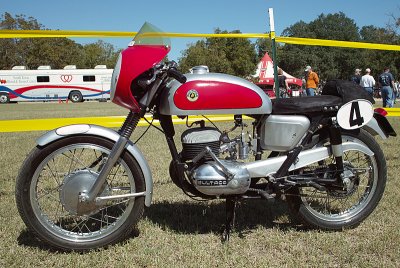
<point>345,207</point>
<point>49,184</point>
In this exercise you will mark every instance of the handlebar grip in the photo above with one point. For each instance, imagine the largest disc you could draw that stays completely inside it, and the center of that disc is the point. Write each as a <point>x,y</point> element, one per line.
<point>172,72</point>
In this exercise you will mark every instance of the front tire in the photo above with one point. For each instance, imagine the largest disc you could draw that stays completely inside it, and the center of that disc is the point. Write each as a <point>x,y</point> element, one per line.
<point>335,209</point>
<point>48,186</point>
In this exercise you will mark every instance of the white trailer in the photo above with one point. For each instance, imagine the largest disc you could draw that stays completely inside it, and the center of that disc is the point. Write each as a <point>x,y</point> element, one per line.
<point>46,84</point>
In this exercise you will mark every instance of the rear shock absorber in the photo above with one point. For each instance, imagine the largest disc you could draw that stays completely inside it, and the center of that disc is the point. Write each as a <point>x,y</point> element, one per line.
<point>337,149</point>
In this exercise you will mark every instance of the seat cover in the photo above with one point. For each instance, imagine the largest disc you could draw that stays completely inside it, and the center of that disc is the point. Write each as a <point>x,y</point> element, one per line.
<point>335,93</point>
<point>306,105</point>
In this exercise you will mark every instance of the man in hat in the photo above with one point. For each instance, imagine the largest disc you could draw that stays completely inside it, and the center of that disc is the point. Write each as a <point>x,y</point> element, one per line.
<point>312,81</point>
<point>368,82</point>
<point>386,81</point>
<point>356,78</point>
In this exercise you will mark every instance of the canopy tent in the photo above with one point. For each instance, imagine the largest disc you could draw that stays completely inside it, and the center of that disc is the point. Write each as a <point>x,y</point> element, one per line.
<point>265,73</point>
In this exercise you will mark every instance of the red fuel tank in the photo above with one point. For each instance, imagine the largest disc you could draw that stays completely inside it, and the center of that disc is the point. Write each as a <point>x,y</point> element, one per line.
<point>212,93</point>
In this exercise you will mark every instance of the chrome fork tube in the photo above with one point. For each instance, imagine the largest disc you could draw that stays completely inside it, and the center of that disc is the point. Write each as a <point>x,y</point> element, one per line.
<point>125,132</point>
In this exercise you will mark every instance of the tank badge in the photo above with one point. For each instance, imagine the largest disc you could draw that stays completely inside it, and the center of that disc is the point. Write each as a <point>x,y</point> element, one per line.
<point>192,95</point>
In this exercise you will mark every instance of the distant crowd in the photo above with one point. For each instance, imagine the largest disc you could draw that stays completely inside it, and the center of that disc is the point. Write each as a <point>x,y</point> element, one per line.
<point>386,86</point>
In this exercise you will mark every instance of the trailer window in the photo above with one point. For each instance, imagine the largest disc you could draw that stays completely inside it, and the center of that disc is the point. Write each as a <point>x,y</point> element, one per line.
<point>89,78</point>
<point>41,79</point>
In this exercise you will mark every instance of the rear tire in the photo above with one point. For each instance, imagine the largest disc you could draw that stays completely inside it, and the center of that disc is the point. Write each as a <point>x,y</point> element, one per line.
<point>334,209</point>
<point>4,98</point>
<point>46,194</point>
<point>75,96</point>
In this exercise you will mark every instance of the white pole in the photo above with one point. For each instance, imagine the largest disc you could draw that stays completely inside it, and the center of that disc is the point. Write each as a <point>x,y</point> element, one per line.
<point>271,20</point>
<point>274,57</point>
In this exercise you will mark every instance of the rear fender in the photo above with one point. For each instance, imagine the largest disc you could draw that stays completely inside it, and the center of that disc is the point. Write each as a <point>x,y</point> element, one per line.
<point>94,130</point>
<point>379,125</point>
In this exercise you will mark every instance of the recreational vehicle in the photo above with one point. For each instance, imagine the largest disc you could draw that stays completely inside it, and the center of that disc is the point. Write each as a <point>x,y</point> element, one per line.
<point>46,84</point>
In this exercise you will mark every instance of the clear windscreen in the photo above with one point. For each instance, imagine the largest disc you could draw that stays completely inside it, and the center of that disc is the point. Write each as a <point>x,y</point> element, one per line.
<point>150,35</point>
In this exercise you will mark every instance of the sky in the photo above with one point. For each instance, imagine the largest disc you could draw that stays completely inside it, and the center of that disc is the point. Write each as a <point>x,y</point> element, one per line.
<point>190,16</point>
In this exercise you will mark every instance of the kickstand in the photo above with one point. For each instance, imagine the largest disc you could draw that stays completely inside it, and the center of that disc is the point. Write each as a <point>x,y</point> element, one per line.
<point>230,218</point>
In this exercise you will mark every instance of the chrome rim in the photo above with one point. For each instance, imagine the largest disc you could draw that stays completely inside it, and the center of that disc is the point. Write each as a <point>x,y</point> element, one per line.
<point>52,186</point>
<point>335,206</point>
<point>75,97</point>
<point>3,98</point>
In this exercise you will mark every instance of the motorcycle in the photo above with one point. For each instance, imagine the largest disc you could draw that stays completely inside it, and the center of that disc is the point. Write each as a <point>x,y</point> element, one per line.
<point>85,186</point>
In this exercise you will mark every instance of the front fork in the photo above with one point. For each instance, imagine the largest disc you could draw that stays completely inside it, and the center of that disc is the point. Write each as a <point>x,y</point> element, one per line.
<point>125,132</point>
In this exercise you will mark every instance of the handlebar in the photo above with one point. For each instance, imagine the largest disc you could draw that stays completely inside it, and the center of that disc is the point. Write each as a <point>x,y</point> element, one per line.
<point>174,73</point>
<point>169,68</point>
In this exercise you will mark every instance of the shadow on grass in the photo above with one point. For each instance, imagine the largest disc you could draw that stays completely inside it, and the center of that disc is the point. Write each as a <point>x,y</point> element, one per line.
<point>200,218</point>
<point>203,218</point>
<point>28,239</point>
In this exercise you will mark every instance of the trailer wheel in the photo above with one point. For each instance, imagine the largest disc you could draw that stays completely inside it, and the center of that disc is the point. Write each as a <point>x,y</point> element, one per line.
<point>4,98</point>
<point>75,96</point>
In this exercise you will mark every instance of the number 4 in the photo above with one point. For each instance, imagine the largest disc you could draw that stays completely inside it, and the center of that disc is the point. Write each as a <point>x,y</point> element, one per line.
<point>355,116</point>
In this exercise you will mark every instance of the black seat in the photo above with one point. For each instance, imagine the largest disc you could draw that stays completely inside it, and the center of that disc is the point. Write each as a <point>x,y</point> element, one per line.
<point>335,93</point>
<point>306,105</point>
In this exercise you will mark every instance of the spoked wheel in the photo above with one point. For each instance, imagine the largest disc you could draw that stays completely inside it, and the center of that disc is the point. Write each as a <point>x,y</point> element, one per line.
<point>49,184</point>
<point>348,203</point>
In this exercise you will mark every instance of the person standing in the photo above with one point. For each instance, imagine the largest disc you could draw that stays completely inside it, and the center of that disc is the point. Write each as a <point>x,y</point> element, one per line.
<point>312,81</point>
<point>356,78</point>
<point>386,81</point>
<point>283,84</point>
<point>368,82</point>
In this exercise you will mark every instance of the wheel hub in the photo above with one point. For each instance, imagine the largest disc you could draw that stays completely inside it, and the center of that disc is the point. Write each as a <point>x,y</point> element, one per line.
<point>350,182</point>
<point>3,99</point>
<point>74,184</point>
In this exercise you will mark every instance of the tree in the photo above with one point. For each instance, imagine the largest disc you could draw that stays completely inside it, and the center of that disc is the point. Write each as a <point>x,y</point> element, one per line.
<point>377,60</point>
<point>56,52</point>
<point>99,53</point>
<point>329,62</point>
<point>13,51</point>
<point>263,45</point>
<point>234,56</point>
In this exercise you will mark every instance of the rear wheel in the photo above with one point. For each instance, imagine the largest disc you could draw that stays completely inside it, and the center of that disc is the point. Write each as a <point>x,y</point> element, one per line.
<point>49,184</point>
<point>4,98</point>
<point>345,207</point>
<point>75,96</point>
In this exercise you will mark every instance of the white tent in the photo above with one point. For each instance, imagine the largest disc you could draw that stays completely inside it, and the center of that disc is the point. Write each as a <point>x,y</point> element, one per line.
<point>265,73</point>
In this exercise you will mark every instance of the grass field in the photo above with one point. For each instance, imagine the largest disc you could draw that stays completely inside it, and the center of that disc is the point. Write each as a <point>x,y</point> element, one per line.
<point>179,232</point>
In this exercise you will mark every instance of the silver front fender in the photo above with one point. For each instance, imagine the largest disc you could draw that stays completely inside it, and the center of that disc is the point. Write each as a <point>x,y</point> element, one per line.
<point>109,134</point>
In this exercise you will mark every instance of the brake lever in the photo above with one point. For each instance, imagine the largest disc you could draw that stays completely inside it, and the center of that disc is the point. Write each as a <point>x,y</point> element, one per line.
<point>145,82</point>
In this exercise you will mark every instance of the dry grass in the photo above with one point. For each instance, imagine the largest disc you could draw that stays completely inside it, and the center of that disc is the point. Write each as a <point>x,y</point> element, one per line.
<point>179,232</point>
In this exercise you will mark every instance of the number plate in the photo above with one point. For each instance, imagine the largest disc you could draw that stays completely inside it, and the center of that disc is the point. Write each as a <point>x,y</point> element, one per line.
<point>355,114</point>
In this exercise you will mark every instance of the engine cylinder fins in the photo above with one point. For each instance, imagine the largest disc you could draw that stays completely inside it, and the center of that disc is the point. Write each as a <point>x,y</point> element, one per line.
<point>191,150</point>
<point>200,135</point>
<point>194,140</point>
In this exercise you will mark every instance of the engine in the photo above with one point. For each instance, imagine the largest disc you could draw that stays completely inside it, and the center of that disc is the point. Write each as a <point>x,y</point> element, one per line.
<point>209,174</point>
<point>194,140</point>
